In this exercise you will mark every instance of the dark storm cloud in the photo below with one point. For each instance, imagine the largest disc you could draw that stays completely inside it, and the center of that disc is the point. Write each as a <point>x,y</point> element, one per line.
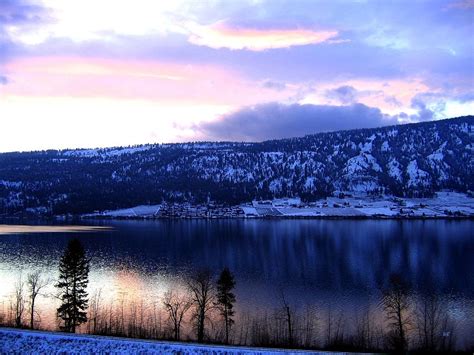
<point>275,120</point>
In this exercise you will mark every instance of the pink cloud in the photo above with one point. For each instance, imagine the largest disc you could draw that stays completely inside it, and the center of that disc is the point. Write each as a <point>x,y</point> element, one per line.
<point>219,35</point>
<point>125,79</point>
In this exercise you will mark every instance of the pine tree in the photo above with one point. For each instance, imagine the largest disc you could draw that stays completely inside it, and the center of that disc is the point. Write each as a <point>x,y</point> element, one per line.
<point>73,280</point>
<point>226,299</point>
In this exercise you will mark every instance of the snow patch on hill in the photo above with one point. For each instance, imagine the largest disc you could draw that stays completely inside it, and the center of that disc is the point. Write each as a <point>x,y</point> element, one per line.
<point>108,152</point>
<point>417,177</point>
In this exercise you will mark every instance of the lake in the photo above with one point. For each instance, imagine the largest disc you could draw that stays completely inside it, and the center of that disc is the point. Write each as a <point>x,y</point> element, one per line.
<point>337,266</point>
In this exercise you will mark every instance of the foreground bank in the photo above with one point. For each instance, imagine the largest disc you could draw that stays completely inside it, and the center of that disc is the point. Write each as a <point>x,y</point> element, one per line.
<point>27,342</point>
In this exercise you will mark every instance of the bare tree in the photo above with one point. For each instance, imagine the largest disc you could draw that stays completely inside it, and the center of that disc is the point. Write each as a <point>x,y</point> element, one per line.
<point>176,305</point>
<point>364,337</point>
<point>94,311</point>
<point>2,314</point>
<point>396,304</point>
<point>309,326</point>
<point>432,322</point>
<point>328,325</point>
<point>339,330</point>
<point>18,304</point>
<point>35,283</point>
<point>202,292</point>
<point>288,318</point>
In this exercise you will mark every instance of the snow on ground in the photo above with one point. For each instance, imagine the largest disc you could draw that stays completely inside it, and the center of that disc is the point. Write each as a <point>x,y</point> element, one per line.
<point>29,342</point>
<point>394,169</point>
<point>122,151</point>
<point>417,176</point>
<point>361,163</point>
<point>377,211</point>
<point>137,211</point>
<point>250,211</point>
<point>105,152</point>
<point>299,212</point>
<point>444,204</point>
<point>10,184</point>
<point>86,153</point>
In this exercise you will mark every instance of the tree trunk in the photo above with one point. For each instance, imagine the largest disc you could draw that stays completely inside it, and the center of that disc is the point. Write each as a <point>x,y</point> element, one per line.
<point>400,329</point>
<point>226,325</point>
<point>32,316</point>
<point>201,326</point>
<point>290,330</point>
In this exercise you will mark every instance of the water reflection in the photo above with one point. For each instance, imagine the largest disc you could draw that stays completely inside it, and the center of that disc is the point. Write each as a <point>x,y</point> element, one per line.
<point>24,229</point>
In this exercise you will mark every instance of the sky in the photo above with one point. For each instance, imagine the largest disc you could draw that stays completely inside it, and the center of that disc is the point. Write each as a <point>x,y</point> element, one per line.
<point>98,73</point>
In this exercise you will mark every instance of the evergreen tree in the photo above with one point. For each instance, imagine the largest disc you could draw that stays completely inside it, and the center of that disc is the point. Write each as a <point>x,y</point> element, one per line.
<point>226,299</point>
<point>73,280</point>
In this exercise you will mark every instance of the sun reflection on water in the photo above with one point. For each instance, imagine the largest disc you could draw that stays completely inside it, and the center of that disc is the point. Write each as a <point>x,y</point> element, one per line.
<point>24,229</point>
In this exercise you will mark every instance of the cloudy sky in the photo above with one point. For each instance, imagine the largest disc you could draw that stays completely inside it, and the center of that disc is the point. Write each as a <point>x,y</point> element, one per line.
<point>96,73</point>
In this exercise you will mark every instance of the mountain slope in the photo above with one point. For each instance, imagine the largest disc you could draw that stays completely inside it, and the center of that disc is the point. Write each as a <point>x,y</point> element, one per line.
<point>405,160</point>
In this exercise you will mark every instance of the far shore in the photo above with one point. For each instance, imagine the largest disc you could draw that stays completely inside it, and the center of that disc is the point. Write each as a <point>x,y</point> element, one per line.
<point>137,218</point>
<point>443,205</point>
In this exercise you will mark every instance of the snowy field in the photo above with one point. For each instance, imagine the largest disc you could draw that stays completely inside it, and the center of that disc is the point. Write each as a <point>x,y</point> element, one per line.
<point>29,342</point>
<point>137,211</point>
<point>445,204</point>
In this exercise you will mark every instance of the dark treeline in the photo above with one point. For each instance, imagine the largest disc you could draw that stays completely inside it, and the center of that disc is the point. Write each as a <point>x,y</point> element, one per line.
<point>203,309</point>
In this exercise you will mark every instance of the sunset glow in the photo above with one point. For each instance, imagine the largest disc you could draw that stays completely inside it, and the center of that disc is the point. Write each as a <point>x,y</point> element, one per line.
<point>219,36</point>
<point>152,72</point>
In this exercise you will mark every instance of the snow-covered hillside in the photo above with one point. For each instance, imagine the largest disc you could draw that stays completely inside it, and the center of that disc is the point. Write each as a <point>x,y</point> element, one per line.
<point>412,160</point>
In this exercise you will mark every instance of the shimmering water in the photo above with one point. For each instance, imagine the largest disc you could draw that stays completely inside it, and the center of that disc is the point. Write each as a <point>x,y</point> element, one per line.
<point>334,264</point>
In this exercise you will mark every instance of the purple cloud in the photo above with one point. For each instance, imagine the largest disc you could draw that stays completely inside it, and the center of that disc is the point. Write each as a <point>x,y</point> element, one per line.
<point>345,94</point>
<point>275,85</point>
<point>426,43</point>
<point>274,120</point>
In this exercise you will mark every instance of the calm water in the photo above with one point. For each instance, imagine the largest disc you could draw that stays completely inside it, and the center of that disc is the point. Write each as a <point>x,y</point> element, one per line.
<point>334,264</point>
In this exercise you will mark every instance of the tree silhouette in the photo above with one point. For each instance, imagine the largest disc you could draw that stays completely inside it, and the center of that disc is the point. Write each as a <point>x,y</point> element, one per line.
<point>202,293</point>
<point>19,303</point>
<point>396,305</point>
<point>176,305</point>
<point>73,280</point>
<point>35,284</point>
<point>226,299</point>
<point>288,316</point>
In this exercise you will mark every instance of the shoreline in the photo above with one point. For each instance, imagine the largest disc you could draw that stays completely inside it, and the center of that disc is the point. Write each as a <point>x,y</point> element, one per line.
<point>446,205</point>
<point>266,218</point>
<point>137,218</point>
